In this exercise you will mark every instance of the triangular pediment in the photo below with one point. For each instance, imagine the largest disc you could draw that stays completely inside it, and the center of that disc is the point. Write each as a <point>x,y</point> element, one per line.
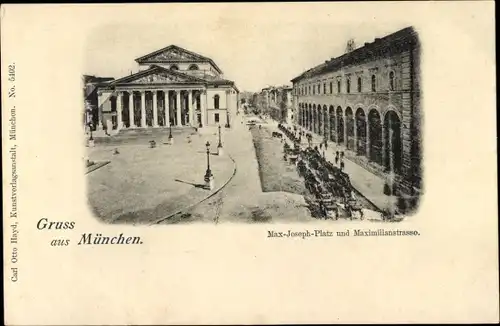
<point>158,75</point>
<point>172,53</point>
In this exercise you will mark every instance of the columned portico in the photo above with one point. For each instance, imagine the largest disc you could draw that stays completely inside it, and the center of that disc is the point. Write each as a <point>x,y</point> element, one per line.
<point>143,108</point>
<point>167,108</point>
<point>178,107</point>
<point>155,108</point>
<point>119,100</point>
<point>190,108</point>
<point>161,97</point>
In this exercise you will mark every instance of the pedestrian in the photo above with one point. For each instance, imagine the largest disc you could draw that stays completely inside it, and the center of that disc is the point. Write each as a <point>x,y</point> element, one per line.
<point>326,144</point>
<point>342,154</point>
<point>341,165</point>
<point>337,158</point>
<point>320,145</point>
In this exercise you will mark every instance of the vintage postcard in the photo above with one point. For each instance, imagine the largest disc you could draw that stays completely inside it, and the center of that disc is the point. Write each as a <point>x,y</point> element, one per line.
<point>240,163</point>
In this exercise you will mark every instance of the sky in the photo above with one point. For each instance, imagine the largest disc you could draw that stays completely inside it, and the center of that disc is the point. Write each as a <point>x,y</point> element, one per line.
<point>255,45</point>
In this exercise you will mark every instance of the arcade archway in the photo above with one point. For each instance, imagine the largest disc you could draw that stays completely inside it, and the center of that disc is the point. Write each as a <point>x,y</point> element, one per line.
<point>375,135</point>
<point>332,122</point>
<point>361,131</point>
<point>340,126</point>
<point>393,145</point>
<point>349,123</point>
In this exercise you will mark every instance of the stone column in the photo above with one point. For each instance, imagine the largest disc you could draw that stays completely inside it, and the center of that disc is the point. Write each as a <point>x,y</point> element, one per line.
<point>368,138</point>
<point>167,108</point>
<point>384,140</point>
<point>326,126</point>
<point>155,108</point>
<point>191,109</point>
<point>119,110</point>
<point>100,103</point>
<point>143,109</point>
<point>321,129</point>
<point>178,105</point>
<point>336,127</point>
<point>203,106</point>
<point>355,126</point>
<point>345,130</point>
<point>131,109</point>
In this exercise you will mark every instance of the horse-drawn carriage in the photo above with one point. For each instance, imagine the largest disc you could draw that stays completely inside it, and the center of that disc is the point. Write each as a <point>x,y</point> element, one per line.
<point>328,205</point>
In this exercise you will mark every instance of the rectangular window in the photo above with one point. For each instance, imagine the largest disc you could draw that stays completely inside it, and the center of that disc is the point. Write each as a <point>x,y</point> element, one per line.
<point>331,88</point>
<point>324,88</point>
<point>216,117</point>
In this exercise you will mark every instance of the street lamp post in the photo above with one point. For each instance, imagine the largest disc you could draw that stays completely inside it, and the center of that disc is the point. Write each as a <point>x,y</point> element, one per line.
<point>170,138</point>
<point>209,178</point>
<point>90,124</point>
<point>220,150</point>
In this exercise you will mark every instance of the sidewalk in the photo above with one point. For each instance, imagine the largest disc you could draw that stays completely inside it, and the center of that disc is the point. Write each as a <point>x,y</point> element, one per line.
<point>368,184</point>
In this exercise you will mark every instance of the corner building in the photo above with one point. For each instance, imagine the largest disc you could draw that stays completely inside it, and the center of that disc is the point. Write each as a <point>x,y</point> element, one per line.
<point>174,87</point>
<point>368,102</point>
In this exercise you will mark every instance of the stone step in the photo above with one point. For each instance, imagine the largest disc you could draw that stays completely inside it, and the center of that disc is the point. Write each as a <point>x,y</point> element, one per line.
<point>154,131</point>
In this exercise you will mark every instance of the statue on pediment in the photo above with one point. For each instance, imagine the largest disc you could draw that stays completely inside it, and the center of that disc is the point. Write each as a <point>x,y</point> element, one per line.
<point>155,78</point>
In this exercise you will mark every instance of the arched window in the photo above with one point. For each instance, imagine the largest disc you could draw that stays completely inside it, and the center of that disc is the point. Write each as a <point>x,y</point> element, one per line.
<point>348,85</point>
<point>193,67</point>
<point>374,83</point>
<point>360,85</point>
<point>174,67</point>
<point>338,86</point>
<point>391,80</point>
<point>216,102</point>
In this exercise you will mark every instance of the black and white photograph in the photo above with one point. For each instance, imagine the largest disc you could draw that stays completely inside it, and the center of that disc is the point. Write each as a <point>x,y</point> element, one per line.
<point>172,139</point>
<point>249,163</point>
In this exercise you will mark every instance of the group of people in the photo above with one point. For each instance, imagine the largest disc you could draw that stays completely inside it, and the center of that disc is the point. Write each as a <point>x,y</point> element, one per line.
<point>289,133</point>
<point>339,155</point>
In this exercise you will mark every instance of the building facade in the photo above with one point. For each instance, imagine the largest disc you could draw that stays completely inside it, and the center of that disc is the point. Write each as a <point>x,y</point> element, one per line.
<point>368,101</point>
<point>91,85</point>
<point>174,87</point>
<point>277,101</point>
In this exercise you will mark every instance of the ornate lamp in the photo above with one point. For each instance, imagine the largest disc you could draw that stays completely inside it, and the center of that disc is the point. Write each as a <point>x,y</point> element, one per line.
<point>220,150</point>
<point>209,178</point>
<point>170,138</point>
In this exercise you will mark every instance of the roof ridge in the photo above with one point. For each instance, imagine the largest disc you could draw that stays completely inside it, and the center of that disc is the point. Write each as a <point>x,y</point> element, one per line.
<point>174,46</point>
<point>377,42</point>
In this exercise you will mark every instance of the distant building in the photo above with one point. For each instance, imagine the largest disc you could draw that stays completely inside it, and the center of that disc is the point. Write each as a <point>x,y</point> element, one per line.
<point>173,87</point>
<point>277,101</point>
<point>90,97</point>
<point>368,101</point>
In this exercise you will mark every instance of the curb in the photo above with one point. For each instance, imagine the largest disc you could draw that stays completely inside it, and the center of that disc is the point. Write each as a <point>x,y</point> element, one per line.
<point>202,200</point>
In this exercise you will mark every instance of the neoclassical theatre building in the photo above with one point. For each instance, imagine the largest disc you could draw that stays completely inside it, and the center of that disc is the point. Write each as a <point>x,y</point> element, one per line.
<point>368,101</point>
<point>174,87</point>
